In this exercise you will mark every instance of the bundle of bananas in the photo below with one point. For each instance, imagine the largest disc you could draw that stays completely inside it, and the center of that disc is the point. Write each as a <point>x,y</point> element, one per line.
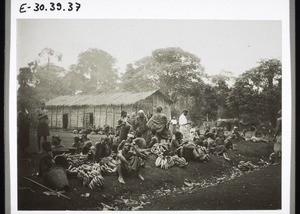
<point>75,160</point>
<point>108,165</point>
<point>108,168</point>
<point>97,181</point>
<point>157,149</point>
<point>164,162</point>
<point>181,162</point>
<point>90,175</point>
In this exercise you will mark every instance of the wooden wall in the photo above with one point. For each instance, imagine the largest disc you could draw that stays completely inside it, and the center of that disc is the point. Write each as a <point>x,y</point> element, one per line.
<point>103,115</point>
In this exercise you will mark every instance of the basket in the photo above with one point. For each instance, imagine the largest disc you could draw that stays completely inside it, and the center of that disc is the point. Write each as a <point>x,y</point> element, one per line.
<point>56,177</point>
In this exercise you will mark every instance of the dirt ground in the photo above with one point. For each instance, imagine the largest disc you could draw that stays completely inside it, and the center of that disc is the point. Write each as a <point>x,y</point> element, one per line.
<point>215,185</point>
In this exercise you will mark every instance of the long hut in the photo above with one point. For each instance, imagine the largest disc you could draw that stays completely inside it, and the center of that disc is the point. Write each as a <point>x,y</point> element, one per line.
<point>82,111</point>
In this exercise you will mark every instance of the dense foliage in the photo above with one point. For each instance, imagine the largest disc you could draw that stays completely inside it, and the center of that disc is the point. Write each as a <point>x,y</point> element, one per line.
<point>256,94</point>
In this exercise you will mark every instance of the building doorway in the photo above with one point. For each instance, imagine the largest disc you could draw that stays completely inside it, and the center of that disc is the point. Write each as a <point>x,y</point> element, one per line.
<point>65,121</point>
<point>88,120</point>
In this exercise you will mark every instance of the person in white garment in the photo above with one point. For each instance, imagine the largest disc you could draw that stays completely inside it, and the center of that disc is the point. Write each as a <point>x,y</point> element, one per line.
<point>173,125</point>
<point>184,126</point>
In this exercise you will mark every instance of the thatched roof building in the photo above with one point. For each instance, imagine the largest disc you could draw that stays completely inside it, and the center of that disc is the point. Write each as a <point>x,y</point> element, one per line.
<point>81,111</point>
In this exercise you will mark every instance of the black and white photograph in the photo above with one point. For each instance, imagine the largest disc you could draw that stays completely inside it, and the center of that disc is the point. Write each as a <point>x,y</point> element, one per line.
<point>123,114</point>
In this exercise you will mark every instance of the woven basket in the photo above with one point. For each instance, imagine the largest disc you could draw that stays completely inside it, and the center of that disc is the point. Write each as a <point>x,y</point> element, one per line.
<point>56,177</point>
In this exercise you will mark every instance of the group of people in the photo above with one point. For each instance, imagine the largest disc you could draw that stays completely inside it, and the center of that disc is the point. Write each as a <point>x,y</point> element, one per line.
<point>135,136</point>
<point>24,121</point>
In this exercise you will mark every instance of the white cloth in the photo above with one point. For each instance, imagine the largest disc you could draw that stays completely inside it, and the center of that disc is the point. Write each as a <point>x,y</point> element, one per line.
<point>182,120</point>
<point>173,121</point>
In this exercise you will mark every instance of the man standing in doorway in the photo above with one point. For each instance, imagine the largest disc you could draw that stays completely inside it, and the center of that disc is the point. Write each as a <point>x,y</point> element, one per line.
<point>42,128</point>
<point>183,125</point>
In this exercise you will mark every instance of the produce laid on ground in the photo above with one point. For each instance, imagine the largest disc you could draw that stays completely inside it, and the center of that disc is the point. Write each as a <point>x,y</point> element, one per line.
<point>166,162</point>
<point>91,174</point>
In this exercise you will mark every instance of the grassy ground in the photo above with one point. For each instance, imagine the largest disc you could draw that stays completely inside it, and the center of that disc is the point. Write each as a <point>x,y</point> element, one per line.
<point>162,189</point>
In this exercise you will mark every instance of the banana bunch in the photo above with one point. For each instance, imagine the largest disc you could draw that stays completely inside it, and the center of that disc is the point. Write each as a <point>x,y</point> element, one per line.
<point>97,181</point>
<point>181,162</point>
<point>75,160</point>
<point>96,166</point>
<point>164,162</point>
<point>84,177</point>
<point>108,168</point>
<point>157,149</point>
<point>158,161</point>
<point>90,175</point>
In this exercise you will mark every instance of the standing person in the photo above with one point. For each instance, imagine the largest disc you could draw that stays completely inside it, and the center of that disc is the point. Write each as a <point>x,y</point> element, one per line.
<point>173,124</point>
<point>141,124</point>
<point>42,128</point>
<point>132,121</point>
<point>23,132</point>
<point>184,126</point>
<point>123,127</point>
<point>159,122</point>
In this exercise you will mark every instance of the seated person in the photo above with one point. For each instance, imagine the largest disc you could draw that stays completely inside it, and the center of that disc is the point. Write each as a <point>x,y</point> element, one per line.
<point>193,135</point>
<point>154,138</point>
<point>77,144</point>
<point>130,138</point>
<point>86,147</point>
<point>46,161</point>
<point>176,145</point>
<point>236,133</point>
<point>102,149</point>
<point>56,141</point>
<point>139,141</point>
<point>128,162</point>
<point>210,134</point>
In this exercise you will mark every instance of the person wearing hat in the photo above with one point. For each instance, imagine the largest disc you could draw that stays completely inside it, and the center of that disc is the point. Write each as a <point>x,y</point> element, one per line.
<point>42,128</point>
<point>128,162</point>
<point>184,126</point>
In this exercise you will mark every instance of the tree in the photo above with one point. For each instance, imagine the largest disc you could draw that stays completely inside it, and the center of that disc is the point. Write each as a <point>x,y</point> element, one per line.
<point>141,76</point>
<point>222,90</point>
<point>48,54</point>
<point>98,68</point>
<point>257,92</point>
<point>26,96</point>
<point>172,70</point>
<point>41,80</point>
<point>49,81</point>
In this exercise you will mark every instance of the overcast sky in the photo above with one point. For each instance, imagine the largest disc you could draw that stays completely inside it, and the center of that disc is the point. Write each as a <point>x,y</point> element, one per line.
<point>234,46</point>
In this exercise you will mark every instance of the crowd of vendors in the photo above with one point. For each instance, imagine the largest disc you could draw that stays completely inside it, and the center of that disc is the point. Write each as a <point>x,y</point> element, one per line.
<point>135,137</point>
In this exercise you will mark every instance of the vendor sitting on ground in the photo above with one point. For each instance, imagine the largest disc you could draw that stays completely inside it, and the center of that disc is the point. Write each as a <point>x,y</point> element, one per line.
<point>56,141</point>
<point>129,139</point>
<point>176,145</point>
<point>86,147</point>
<point>139,140</point>
<point>237,134</point>
<point>102,149</point>
<point>210,133</point>
<point>154,138</point>
<point>77,144</point>
<point>128,162</point>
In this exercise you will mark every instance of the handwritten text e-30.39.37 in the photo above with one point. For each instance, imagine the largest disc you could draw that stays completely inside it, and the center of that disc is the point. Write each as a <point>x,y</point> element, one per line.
<point>51,6</point>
